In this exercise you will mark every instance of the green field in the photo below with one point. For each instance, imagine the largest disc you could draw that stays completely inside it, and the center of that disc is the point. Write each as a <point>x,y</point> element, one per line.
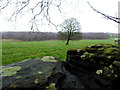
<point>15,51</point>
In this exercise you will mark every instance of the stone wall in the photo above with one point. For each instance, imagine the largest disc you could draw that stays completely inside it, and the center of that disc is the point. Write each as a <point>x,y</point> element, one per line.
<point>117,41</point>
<point>96,66</point>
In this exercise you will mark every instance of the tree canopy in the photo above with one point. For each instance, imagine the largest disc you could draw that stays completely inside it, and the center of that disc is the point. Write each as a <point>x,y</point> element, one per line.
<point>69,28</point>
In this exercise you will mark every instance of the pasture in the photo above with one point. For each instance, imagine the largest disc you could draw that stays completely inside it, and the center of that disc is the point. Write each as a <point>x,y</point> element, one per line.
<point>16,51</point>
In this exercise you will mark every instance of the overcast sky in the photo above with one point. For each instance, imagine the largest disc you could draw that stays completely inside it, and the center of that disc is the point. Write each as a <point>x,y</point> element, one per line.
<point>90,21</point>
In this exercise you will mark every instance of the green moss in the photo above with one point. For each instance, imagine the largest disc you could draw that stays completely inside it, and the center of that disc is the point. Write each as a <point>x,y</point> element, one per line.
<point>109,57</point>
<point>101,49</point>
<point>116,63</point>
<point>110,50</point>
<point>91,55</point>
<point>40,72</point>
<point>106,68</point>
<point>109,75</point>
<point>83,56</point>
<point>87,55</point>
<point>36,81</point>
<point>112,71</point>
<point>49,59</point>
<point>111,66</point>
<point>10,71</point>
<point>116,75</point>
<point>51,87</point>
<point>13,85</point>
<point>78,50</point>
<point>18,77</point>
<point>99,71</point>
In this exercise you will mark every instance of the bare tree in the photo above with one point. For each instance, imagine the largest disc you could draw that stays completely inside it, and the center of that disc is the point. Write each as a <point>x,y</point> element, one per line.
<point>69,28</point>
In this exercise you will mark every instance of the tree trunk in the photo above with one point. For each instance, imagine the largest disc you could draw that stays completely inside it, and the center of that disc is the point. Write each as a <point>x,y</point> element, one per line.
<point>67,41</point>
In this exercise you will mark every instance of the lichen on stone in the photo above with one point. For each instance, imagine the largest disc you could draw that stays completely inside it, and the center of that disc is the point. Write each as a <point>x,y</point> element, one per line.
<point>36,81</point>
<point>78,50</point>
<point>109,57</point>
<point>106,68</point>
<point>110,50</point>
<point>40,72</point>
<point>91,55</point>
<point>51,87</point>
<point>49,59</point>
<point>18,77</point>
<point>87,55</point>
<point>10,71</point>
<point>110,66</point>
<point>101,49</point>
<point>116,63</point>
<point>112,71</point>
<point>99,71</point>
<point>116,76</point>
<point>13,85</point>
<point>83,56</point>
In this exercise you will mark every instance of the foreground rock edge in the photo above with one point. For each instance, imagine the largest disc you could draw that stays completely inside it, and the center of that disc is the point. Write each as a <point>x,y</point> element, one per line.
<point>29,74</point>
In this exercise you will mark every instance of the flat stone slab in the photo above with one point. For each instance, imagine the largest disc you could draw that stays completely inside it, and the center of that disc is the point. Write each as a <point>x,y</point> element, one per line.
<point>29,74</point>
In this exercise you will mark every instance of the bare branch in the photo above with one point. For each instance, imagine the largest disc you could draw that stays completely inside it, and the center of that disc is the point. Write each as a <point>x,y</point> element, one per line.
<point>44,10</point>
<point>19,10</point>
<point>43,5</point>
<point>2,6</point>
<point>115,19</point>
<point>41,11</point>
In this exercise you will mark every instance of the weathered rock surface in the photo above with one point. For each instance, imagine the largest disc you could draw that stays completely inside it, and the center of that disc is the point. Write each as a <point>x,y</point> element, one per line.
<point>30,74</point>
<point>94,67</point>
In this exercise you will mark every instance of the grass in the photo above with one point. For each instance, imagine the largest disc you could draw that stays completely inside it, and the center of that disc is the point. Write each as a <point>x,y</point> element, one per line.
<point>16,51</point>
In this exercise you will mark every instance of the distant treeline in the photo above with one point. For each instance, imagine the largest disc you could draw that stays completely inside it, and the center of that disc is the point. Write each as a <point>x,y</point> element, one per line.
<point>41,36</point>
<point>95,35</point>
<point>30,36</point>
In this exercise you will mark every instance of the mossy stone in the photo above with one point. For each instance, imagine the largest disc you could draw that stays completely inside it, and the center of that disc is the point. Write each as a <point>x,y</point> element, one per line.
<point>36,81</point>
<point>87,55</point>
<point>99,71</point>
<point>49,59</point>
<point>18,77</point>
<point>13,85</point>
<point>110,50</point>
<point>51,87</point>
<point>116,63</point>
<point>10,71</point>
<point>40,72</point>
